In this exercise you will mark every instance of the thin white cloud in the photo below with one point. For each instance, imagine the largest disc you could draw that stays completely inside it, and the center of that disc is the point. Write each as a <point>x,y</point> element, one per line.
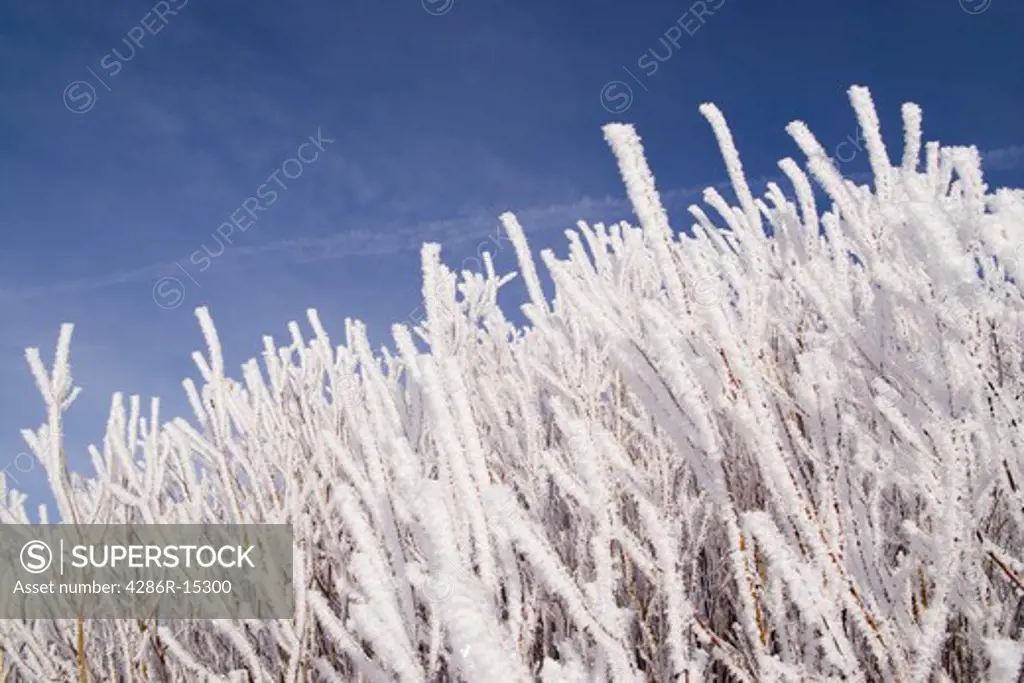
<point>354,243</point>
<point>1003,159</point>
<point>446,232</point>
<point>384,241</point>
<point>86,283</point>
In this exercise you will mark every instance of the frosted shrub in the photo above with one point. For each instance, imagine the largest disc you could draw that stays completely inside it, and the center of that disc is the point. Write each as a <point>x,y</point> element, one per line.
<point>785,449</point>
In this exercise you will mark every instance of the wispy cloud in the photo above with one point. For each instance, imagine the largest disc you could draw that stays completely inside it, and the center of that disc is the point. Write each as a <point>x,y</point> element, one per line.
<point>388,239</point>
<point>392,239</point>
<point>85,283</point>
<point>381,241</point>
<point>1003,159</point>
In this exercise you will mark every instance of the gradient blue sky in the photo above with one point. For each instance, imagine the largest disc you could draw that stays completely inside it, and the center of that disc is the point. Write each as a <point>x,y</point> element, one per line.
<point>443,115</point>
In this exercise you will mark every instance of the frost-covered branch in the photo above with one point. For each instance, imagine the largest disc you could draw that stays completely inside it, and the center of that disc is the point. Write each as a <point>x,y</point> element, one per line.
<point>788,448</point>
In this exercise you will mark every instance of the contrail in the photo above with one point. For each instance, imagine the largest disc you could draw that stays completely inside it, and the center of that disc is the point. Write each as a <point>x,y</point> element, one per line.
<point>347,244</point>
<point>447,231</point>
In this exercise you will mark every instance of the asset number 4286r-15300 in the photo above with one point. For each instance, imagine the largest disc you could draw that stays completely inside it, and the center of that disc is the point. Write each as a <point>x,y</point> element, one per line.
<point>174,587</point>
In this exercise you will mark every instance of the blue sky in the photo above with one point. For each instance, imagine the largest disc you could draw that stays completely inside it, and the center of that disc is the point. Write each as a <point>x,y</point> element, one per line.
<point>131,134</point>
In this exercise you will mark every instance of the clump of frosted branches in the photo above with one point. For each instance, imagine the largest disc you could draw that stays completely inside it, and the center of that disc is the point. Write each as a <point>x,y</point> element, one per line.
<point>787,448</point>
